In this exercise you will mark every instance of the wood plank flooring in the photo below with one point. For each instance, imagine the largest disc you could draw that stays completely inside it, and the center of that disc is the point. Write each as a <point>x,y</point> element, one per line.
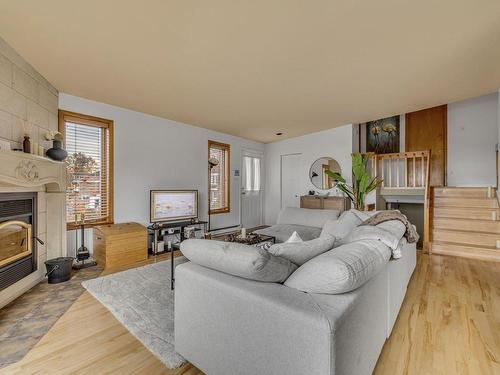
<point>449,324</point>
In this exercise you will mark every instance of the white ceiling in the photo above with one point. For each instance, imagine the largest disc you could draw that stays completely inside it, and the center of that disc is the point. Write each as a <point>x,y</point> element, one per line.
<point>252,68</point>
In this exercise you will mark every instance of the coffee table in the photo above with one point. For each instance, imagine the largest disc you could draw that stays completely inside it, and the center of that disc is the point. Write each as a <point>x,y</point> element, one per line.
<point>259,240</point>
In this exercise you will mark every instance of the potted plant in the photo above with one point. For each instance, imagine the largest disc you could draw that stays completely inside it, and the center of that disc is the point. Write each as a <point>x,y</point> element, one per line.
<point>362,182</point>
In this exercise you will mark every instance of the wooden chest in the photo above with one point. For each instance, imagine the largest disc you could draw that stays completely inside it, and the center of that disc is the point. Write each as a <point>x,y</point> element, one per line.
<point>120,244</point>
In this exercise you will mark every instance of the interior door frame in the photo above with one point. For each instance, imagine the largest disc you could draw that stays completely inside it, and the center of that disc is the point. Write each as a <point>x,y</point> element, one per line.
<point>281,175</point>
<point>252,153</point>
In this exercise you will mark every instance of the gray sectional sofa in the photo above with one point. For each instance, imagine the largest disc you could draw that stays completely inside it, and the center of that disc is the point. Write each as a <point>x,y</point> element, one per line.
<point>227,325</point>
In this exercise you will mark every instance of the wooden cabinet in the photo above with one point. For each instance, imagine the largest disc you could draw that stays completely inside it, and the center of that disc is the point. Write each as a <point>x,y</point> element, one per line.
<point>325,203</point>
<point>120,244</point>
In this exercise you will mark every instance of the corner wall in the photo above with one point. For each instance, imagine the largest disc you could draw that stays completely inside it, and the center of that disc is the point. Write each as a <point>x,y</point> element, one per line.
<point>28,102</point>
<point>472,137</point>
<point>336,143</point>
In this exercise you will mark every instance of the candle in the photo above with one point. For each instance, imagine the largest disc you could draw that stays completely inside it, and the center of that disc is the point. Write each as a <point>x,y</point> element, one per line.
<point>489,191</point>
<point>41,151</point>
<point>243,232</point>
<point>498,244</point>
<point>169,245</point>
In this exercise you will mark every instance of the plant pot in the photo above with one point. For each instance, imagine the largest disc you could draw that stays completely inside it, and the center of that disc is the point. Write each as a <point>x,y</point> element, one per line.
<point>57,152</point>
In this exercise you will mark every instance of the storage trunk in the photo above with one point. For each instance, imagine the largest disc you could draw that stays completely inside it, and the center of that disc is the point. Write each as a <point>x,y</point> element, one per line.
<point>120,244</point>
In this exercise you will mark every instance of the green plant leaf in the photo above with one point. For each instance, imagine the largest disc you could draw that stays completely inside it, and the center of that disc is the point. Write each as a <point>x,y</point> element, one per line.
<point>335,176</point>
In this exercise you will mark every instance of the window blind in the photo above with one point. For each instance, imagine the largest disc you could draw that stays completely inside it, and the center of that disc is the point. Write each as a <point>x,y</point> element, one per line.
<point>88,164</point>
<point>219,175</point>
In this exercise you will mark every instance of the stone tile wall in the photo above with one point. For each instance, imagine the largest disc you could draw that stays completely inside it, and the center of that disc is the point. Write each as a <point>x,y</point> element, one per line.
<point>28,102</point>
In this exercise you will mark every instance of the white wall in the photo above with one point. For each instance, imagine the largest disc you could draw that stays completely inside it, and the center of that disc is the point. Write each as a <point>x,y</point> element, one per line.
<point>156,153</point>
<point>472,136</point>
<point>336,143</point>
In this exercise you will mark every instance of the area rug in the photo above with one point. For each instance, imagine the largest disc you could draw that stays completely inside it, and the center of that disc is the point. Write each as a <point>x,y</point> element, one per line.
<point>28,318</point>
<point>141,299</point>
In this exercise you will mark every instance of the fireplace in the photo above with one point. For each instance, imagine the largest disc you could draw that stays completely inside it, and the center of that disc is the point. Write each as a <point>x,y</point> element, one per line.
<point>32,198</point>
<point>18,255</point>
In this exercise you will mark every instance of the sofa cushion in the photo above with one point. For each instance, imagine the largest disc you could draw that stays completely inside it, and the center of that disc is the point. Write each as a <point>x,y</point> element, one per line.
<point>342,269</point>
<point>301,252</point>
<point>341,227</point>
<point>282,232</point>
<point>236,259</point>
<point>306,216</point>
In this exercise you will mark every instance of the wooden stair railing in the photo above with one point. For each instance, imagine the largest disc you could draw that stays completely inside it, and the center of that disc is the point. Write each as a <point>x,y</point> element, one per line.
<point>406,170</point>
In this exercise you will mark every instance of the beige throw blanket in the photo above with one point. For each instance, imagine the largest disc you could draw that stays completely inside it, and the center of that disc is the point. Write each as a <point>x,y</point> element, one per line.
<point>411,234</point>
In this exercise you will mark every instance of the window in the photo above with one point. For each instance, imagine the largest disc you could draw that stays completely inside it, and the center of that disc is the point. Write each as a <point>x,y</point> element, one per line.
<point>219,177</point>
<point>89,142</point>
<point>251,173</point>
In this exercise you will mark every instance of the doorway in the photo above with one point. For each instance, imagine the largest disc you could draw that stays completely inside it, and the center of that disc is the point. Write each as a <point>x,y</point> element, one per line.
<point>290,180</point>
<point>251,189</point>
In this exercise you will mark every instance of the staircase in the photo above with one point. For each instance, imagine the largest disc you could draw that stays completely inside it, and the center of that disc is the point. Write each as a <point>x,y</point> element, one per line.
<point>465,222</point>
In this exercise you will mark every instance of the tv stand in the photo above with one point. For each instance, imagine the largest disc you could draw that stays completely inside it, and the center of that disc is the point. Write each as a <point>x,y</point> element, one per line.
<point>178,226</point>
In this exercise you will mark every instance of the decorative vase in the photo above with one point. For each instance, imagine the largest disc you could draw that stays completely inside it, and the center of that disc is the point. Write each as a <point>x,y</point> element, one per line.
<point>57,152</point>
<point>27,144</point>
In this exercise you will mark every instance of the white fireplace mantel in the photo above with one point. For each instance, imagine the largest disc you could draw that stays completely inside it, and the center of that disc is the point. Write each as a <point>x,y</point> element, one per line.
<point>31,171</point>
<point>20,172</point>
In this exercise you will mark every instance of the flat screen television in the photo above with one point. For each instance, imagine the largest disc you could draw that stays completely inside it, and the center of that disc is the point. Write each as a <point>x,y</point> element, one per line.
<point>173,205</point>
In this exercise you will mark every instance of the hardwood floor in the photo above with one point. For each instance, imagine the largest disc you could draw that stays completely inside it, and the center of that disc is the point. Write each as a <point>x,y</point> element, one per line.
<point>449,324</point>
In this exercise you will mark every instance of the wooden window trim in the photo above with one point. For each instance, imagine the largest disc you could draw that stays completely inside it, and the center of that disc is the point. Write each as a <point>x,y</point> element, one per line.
<point>227,180</point>
<point>99,123</point>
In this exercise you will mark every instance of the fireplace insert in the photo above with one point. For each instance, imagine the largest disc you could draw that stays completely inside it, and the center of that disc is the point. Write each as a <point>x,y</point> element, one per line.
<point>18,250</point>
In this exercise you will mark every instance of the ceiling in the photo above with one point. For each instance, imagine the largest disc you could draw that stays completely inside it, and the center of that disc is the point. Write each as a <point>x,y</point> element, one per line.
<point>254,68</point>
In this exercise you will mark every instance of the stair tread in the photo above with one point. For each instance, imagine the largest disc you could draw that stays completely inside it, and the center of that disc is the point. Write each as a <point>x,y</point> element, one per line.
<point>463,219</point>
<point>462,231</point>
<point>462,207</point>
<point>464,245</point>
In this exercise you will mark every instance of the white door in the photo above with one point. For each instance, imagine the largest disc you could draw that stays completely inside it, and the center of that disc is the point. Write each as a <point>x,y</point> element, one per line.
<point>251,189</point>
<point>290,180</point>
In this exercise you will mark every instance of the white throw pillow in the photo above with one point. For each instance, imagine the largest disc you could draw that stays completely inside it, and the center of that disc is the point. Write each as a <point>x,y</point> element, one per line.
<point>342,269</point>
<point>300,252</point>
<point>236,259</point>
<point>395,227</point>
<point>294,238</point>
<point>341,227</point>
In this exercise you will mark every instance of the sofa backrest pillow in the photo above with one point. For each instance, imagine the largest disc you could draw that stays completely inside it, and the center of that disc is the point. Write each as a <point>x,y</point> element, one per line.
<point>342,269</point>
<point>306,216</point>
<point>341,227</point>
<point>300,252</point>
<point>236,259</point>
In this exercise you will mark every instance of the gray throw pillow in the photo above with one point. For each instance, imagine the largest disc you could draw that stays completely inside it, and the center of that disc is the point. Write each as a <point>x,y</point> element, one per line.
<point>341,227</point>
<point>236,259</point>
<point>301,252</point>
<point>342,269</point>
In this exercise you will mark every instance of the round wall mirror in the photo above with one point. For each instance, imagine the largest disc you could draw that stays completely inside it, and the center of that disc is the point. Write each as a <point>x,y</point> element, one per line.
<point>317,173</point>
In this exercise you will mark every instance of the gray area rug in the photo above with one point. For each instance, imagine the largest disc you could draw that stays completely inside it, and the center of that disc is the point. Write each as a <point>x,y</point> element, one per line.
<point>141,299</point>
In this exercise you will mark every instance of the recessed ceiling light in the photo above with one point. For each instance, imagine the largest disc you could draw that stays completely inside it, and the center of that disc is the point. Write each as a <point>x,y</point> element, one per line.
<point>279,133</point>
